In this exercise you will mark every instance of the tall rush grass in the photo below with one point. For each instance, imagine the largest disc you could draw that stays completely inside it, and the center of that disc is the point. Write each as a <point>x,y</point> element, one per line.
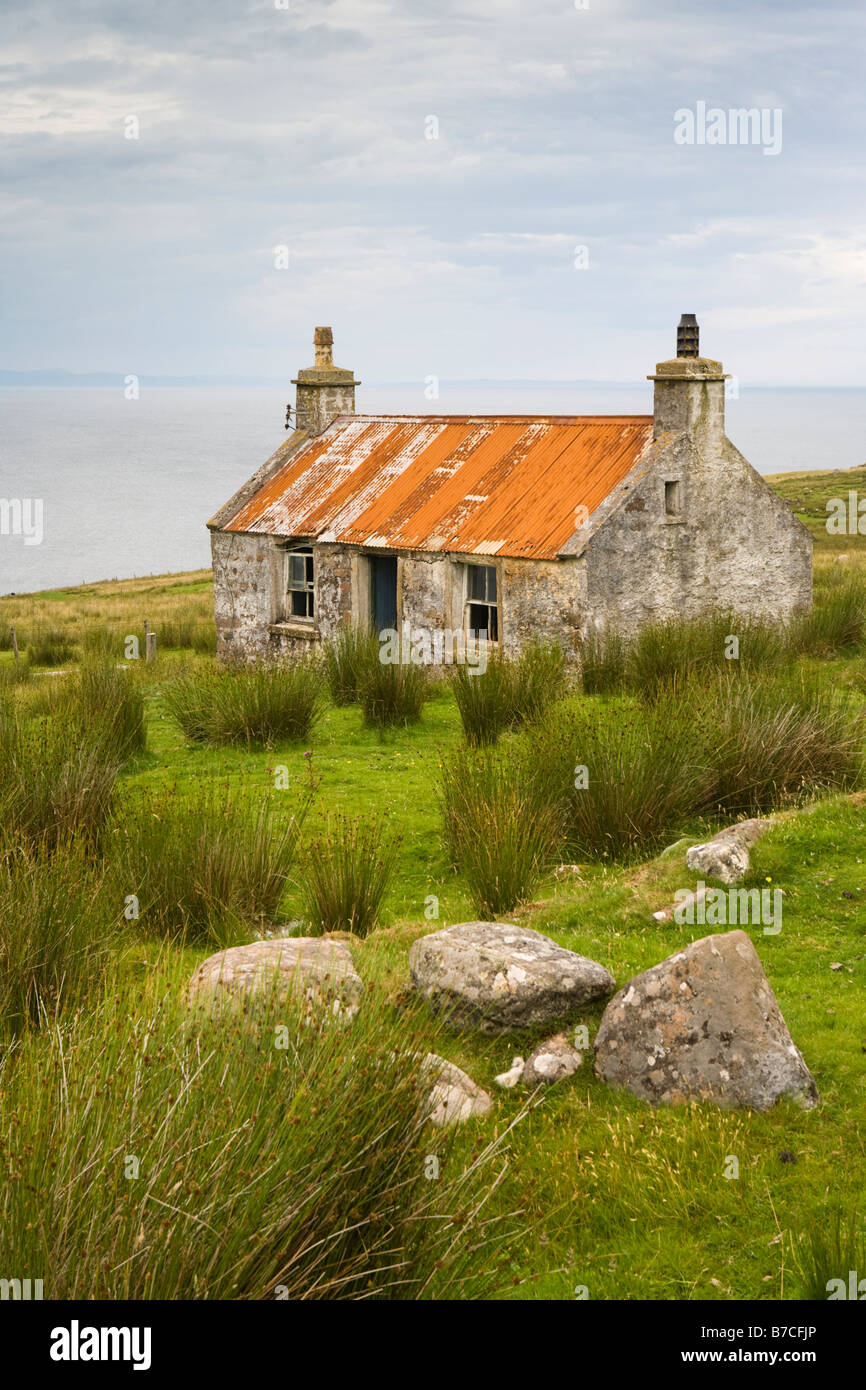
<point>346,874</point>
<point>55,937</point>
<point>258,705</point>
<point>773,741</point>
<point>507,693</point>
<point>394,693</point>
<point>348,656</point>
<point>215,1164</point>
<point>55,782</point>
<point>203,871</point>
<point>622,774</point>
<point>502,828</point>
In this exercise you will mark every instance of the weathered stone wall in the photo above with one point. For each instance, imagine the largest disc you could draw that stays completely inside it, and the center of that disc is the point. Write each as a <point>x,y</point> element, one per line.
<point>426,595</point>
<point>250,597</point>
<point>543,599</point>
<point>322,396</point>
<point>537,598</point>
<point>734,544</point>
<point>333,570</point>
<point>242,567</point>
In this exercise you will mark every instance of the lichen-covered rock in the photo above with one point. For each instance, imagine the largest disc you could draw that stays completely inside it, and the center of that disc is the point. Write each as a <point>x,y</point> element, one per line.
<point>746,831</point>
<point>315,971</point>
<point>703,1025</point>
<point>496,978</point>
<point>452,1096</point>
<point>551,1061</point>
<point>508,1079</point>
<point>724,858</point>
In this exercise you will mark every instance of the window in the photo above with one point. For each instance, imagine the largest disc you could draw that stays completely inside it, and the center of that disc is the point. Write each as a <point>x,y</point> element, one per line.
<point>482,606</point>
<point>299,584</point>
<point>672,498</point>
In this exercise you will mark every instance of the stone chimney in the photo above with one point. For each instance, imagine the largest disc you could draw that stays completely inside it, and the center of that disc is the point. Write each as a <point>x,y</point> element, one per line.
<point>323,391</point>
<point>689,390</point>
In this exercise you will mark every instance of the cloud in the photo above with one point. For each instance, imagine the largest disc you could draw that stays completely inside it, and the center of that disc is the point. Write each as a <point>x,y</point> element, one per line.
<point>308,126</point>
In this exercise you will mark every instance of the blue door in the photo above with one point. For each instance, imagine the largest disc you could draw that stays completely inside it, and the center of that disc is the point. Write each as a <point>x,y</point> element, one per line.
<point>384,591</point>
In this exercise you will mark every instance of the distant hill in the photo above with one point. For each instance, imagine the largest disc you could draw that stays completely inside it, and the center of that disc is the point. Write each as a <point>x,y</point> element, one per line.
<point>59,377</point>
<point>807,494</point>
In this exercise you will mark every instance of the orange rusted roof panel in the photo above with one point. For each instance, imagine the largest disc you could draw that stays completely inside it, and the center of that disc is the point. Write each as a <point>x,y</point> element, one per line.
<point>488,485</point>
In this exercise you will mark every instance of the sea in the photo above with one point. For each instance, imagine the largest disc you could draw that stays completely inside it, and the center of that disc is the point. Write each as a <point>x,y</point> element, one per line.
<point>126,486</point>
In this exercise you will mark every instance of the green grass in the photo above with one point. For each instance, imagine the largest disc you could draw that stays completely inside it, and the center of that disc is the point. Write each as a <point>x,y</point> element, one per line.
<point>247,704</point>
<point>206,866</point>
<point>345,875</point>
<point>629,1201</point>
<point>502,827</point>
<point>216,1163</point>
<point>807,495</point>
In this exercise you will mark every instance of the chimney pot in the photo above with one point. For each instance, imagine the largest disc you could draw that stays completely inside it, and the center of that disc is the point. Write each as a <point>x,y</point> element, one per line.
<point>324,391</point>
<point>323,342</point>
<point>689,393</point>
<point>688,336</point>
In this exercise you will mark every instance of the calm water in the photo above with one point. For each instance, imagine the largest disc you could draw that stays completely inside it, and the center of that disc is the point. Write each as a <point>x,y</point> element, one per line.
<point>127,486</point>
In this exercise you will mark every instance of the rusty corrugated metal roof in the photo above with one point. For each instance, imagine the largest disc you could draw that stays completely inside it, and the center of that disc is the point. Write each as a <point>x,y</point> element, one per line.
<point>485,485</point>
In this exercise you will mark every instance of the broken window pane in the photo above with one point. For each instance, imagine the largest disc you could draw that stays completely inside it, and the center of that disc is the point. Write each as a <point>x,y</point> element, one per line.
<point>300,583</point>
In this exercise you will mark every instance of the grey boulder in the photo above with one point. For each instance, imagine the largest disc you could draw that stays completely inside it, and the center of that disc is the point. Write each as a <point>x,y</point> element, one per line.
<point>496,978</point>
<point>317,973</point>
<point>726,856</point>
<point>703,1025</point>
<point>724,859</point>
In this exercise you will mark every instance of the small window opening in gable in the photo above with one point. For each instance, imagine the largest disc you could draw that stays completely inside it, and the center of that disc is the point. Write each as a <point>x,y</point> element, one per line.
<point>300,584</point>
<point>672,498</point>
<point>482,602</point>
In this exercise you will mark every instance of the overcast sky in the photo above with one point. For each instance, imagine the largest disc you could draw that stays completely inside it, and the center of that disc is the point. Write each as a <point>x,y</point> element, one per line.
<point>307,127</point>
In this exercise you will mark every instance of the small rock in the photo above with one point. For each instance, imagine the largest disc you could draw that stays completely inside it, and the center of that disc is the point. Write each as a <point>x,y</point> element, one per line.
<point>785,1156</point>
<point>724,859</point>
<point>453,1096</point>
<point>667,913</point>
<point>285,929</point>
<point>551,1061</point>
<point>837,965</point>
<point>496,978</point>
<point>310,968</point>
<point>703,1025</point>
<point>507,1079</point>
<point>563,872</point>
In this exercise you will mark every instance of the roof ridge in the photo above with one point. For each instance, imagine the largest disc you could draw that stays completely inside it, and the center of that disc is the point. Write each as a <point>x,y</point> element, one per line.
<point>482,415</point>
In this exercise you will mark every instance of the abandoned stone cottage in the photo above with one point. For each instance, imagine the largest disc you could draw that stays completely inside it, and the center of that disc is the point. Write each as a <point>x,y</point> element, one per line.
<point>514,525</point>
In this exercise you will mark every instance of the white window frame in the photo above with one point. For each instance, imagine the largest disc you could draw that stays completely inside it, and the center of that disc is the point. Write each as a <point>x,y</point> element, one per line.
<point>308,588</point>
<point>486,602</point>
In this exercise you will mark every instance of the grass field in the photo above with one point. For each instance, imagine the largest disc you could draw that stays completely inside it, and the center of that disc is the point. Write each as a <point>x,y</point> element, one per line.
<point>596,1190</point>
